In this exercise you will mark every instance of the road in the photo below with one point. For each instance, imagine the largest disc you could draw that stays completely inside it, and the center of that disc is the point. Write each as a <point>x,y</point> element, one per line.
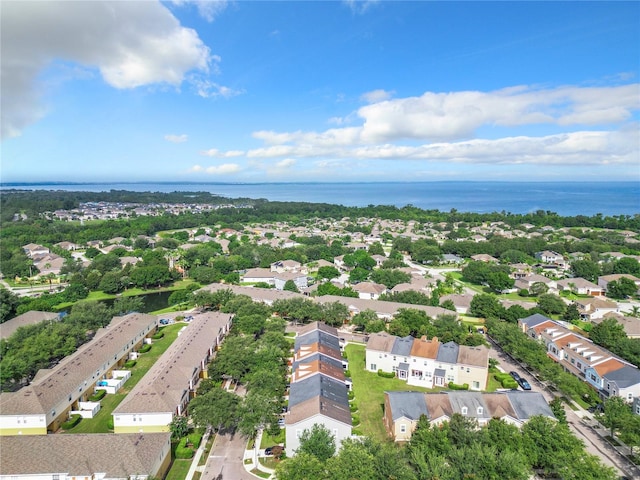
<point>225,460</point>
<point>580,422</point>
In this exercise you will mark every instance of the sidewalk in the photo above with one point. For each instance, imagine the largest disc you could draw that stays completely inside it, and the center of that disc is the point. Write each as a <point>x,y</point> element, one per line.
<point>254,455</point>
<point>196,458</point>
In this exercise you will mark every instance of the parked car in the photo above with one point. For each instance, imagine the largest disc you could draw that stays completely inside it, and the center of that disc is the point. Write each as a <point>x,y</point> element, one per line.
<point>524,384</point>
<point>281,422</point>
<point>268,451</point>
<point>515,376</point>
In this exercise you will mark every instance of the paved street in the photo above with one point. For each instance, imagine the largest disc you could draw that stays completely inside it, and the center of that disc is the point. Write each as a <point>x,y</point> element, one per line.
<point>225,461</point>
<point>594,443</point>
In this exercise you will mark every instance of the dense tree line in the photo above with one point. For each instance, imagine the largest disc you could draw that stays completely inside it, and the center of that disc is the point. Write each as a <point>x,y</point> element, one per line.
<point>42,345</point>
<point>455,450</point>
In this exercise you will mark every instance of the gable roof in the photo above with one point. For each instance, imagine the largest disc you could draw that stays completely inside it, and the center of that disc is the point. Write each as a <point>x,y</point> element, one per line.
<point>318,385</point>
<point>425,348</point>
<point>410,405</point>
<point>31,317</point>
<point>402,346</point>
<point>119,456</point>
<point>624,377</point>
<point>448,352</point>
<point>381,342</point>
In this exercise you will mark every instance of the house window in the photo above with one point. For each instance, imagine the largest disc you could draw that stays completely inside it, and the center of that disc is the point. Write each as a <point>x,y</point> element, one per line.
<point>480,410</point>
<point>373,367</point>
<point>464,410</point>
<point>403,428</point>
<point>394,358</point>
<point>476,385</point>
<point>468,369</point>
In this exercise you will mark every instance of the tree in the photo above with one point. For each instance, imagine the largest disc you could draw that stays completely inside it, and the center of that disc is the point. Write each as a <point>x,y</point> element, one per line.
<point>303,466</point>
<point>290,286</point>
<point>557,407</point>
<point>124,305</point>
<point>571,314</point>
<point>179,426</point>
<point>217,408</point>
<point>538,288</point>
<point>361,319</point>
<point>585,269</point>
<point>608,333</point>
<point>8,304</point>
<point>627,265</point>
<point>622,288</point>
<point>500,281</point>
<point>318,441</point>
<point>486,306</point>
<point>615,413</point>
<point>630,432</point>
<point>328,272</point>
<point>551,304</point>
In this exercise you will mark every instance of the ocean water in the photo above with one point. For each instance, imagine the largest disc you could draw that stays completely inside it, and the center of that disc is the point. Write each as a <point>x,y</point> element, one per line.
<point>564,198</point>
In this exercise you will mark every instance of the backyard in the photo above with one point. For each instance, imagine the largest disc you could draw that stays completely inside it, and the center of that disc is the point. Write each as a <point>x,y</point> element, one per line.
<point>100,423</point>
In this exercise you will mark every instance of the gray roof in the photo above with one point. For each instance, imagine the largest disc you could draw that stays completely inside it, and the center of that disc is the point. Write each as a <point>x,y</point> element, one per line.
<point>407,404</point>
<point>535,319</point>
<point>82,455</point>
<point>318,356</point>
<point>528,404</point>
<point>471,400</point>
<point>318,385</point>
<point>31,317</point>
<point>317,336</point>
<point>624,377</point>
<point>402,346</point>
<point>163,387</point>
<point>448,352</point>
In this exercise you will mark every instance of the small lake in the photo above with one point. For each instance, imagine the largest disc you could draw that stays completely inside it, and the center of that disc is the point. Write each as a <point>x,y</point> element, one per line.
<point>152,301</point>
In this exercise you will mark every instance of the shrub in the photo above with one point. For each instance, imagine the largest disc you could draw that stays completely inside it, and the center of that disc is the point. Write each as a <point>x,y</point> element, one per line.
<point>356,432</point>
<point>355,419</point>
<point>97,396</point>
<point>506,380</point>
<point>351,395</point>
<point>145,348</point>
<point>158,336</point>
<point>130,363</point>
<point>110,423</point>
<point>347,373</point>
<point>182,451</point>
<point>72,422</point>
<point>194,439</point>
<point>386,374</point>
<point>454,386</point>
<point>353,407</point>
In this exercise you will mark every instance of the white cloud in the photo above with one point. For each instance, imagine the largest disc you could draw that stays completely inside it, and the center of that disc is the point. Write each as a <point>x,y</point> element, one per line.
<point>286,163</point>
<point>214,152</point>
<point>208,89</point>
<point>360,6</point>
<point>207,9</point>
<point>224,169</point>
<point>376,96</point>
<point>131,43</point>
<point>176,138</point>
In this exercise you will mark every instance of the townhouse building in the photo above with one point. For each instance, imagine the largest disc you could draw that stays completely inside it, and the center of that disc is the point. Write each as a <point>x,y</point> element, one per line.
<point>403,410</point>
<point>44,404</point>
<point>608,374</point>
<point>428,363</point>
<point>167,387</point>
<point>318,391</point>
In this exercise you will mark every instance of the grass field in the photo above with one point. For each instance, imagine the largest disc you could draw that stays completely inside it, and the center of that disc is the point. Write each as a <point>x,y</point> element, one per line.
<point>99,423</point>
<point>179,469</point>
<point>369,391</point>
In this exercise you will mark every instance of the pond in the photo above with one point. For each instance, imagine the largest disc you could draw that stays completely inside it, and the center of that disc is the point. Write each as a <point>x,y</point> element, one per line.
<point>152,301</point>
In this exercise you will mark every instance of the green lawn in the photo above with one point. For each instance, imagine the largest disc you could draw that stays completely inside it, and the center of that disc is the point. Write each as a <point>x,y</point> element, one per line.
<point>99,424</point>
<point>369,391</point>
<point>269,441</point>
<point>179,469</point>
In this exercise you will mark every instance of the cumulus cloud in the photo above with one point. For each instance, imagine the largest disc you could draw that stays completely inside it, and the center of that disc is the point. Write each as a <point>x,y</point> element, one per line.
<point>376,96</point>
<point>176,138</point>
<point>214,152</point>
<point>207,9</point>
<point>131,44</point>
<point>286,163</point>
<point>224,169</point>
<point>360,6</point>
<point>208,89</point>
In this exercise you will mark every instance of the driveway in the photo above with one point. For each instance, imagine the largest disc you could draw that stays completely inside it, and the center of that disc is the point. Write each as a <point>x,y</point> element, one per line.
<point>225,460</point>
<point>582,429</point>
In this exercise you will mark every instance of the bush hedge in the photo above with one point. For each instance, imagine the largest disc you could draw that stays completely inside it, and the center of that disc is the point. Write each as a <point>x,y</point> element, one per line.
<point>351,395</point>
<point>506,380</point>
<point>347,373</point>
<point>110,423</point>
<point>386,374</point>
<point>353,407</point>
<point>355,419</point>
<point>158,335</point>
<point>455,386</point>
<point>130,363</point>
<point>97,396</point>
<point>145,348</point>
<point>72,422</point>
<point>182,451</point>
<point>194,439</point>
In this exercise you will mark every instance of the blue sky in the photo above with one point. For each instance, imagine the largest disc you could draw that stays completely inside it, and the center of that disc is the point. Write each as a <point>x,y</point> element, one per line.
<point>319,91</point>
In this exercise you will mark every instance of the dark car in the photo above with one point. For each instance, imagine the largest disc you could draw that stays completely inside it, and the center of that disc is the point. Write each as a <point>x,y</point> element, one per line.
<point>268,451</point>
<point>515,376</point>
<point>524,384</point>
